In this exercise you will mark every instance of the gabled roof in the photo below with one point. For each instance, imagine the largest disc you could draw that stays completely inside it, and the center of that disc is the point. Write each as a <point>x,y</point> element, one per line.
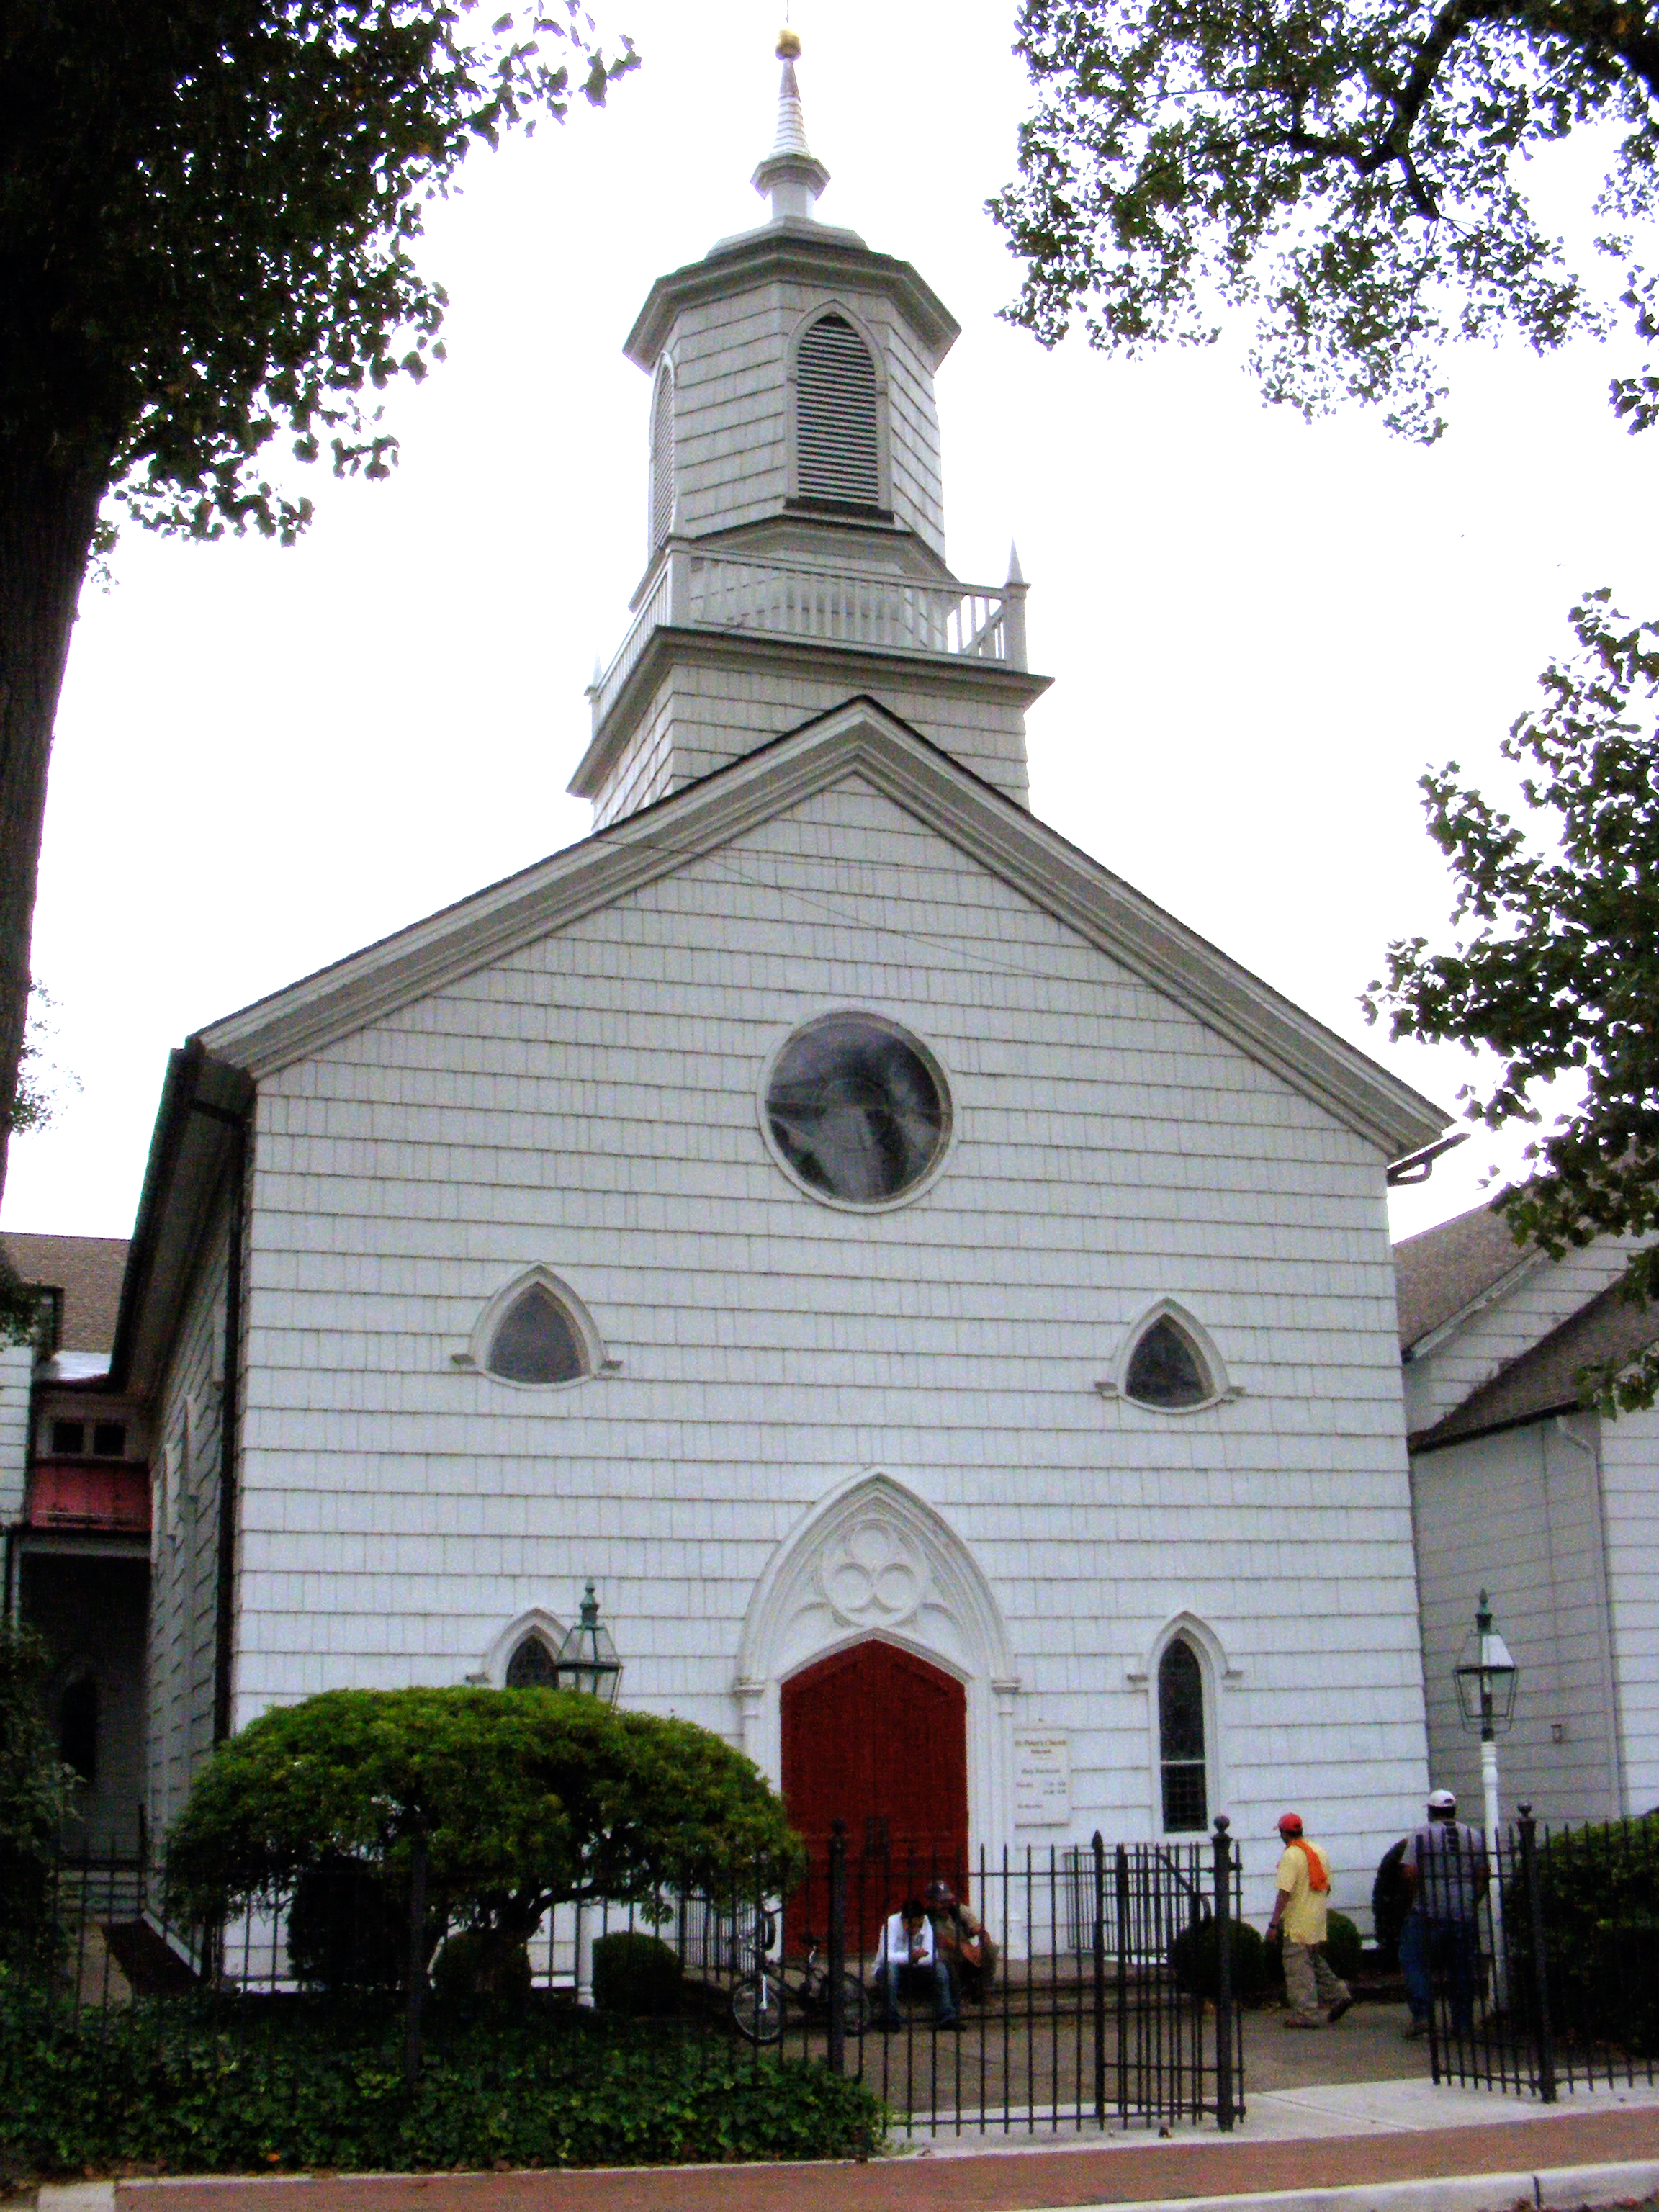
<point>1442,1273</point>
<point>1544,1379</point>
<point>864,738</point>
<point>88,1271</point>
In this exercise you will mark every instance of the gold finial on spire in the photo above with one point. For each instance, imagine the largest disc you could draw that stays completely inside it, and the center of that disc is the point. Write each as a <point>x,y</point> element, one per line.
<point>789,45</point>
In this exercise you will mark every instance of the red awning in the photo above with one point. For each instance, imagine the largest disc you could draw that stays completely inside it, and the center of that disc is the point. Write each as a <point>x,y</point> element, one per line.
<point>90,1493</point>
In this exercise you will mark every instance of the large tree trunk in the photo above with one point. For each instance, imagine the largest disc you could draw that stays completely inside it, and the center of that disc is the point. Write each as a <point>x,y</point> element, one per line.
<point>48,516</point>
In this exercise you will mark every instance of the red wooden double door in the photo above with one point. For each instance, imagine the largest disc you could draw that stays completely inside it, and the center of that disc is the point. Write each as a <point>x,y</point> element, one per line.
<point>876,1737</point>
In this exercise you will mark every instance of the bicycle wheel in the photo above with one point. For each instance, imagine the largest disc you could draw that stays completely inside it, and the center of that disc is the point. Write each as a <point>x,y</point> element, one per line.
<point>854,2005</point>
<point>757,2008</point>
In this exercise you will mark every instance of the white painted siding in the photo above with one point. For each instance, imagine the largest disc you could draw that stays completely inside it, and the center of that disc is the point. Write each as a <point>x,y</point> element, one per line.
<point>1518,1514</point>
<point>592,1103</point>
<point>16,1371</point>
<point>704,716</point>
<point>184,1535</point>
<point>1630,1484</point>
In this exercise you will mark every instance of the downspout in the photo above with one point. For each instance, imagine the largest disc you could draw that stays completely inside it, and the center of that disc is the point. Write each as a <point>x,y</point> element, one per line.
<point>224,1636</point>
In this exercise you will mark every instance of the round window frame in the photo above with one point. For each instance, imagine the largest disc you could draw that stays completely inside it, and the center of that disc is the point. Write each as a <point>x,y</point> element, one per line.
<point>930,1059</point>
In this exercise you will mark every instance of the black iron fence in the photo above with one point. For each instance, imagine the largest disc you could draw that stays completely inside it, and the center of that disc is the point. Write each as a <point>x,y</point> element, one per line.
<point>1076,1985</point>
<point>1534,1956</point>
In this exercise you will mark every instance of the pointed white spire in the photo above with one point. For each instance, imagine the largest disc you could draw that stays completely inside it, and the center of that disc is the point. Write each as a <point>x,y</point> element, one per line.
<point>1015,573</point>
<point>790,174</point>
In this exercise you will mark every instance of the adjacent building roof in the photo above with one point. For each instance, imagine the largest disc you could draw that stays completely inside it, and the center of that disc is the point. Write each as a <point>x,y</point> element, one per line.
<point>1443,1271</point>
<point>86,1270</point>
<point>1545,1380</point>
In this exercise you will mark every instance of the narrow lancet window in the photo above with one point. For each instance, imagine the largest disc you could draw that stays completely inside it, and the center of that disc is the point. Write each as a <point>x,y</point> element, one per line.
<point>536,1340</point>
<point>837,448</point>
<point>662,457</point>
<point>1183,1772</point>
<point>1166,1369</point>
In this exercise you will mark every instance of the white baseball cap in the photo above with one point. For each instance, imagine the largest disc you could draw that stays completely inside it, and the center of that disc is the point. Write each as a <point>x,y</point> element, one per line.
<point>1441,1801</point>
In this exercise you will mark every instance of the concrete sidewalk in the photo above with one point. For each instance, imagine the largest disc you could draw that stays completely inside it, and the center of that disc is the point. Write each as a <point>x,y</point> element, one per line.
<point>1378,2147</point>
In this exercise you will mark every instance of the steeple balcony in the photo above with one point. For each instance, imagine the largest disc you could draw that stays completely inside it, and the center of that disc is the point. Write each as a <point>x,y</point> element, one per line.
<point>692,587</point>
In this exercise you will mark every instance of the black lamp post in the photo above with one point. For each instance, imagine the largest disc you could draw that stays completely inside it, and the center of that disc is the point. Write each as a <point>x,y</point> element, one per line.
<point>587,1660</point>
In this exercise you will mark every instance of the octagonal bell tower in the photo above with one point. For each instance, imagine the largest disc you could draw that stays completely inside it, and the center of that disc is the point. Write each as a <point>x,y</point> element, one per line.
<point>794,514</point>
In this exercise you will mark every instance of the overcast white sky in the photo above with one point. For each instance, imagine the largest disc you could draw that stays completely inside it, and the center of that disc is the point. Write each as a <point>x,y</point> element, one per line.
<point>1260,632</point>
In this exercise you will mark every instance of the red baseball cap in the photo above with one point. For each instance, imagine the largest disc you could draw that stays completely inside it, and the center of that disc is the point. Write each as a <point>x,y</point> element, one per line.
<point>1290,1824</point>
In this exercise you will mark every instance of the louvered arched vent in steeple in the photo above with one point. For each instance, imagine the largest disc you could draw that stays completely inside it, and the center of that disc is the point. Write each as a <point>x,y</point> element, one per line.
<point>662,456</point>
<point>836,446</point>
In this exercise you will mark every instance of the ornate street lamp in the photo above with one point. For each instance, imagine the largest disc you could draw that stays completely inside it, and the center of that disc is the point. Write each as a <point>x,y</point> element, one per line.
<point>1486,1677</point>
<point>587,1660</point>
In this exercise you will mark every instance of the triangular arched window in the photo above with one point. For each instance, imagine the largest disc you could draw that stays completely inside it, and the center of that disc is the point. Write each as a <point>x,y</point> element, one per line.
<point>837,447</point>
<point>536,1340</point>
<point>1166,1368</point>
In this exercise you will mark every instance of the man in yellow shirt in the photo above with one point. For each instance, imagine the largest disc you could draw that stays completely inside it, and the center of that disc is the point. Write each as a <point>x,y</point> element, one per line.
<point>1299,1914</point>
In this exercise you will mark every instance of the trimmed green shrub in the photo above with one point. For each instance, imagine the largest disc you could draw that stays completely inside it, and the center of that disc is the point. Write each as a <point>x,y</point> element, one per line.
<point>1599,1888</point>
<point>480,1966</point>
<point>637,1974</point>
<point>526,1798</point>
<point>1195,1955</point>
<point>1344,1945</point>
<point>176,2087</point>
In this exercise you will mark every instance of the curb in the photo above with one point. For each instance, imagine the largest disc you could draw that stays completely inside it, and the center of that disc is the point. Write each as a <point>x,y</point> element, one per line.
<point>1548,2188</point>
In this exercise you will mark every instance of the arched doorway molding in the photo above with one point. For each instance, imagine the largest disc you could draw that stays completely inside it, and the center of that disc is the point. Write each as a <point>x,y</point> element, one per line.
<point>872,1558</point>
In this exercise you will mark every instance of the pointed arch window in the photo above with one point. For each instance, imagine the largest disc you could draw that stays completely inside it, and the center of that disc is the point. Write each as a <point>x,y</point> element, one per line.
<point>536,1333</point>
<point>1167,1369</point>
<point>837,441</point>
<point>661,517</point>
<point>531,1666</point>
<point>1183,1766</point>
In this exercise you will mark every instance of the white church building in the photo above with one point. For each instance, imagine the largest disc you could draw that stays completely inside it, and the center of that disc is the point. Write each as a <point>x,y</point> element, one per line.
<point>945,1305</point>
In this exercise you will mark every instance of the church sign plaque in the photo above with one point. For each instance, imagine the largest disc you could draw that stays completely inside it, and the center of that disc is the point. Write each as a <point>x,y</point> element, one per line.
<point>1042,1779</point>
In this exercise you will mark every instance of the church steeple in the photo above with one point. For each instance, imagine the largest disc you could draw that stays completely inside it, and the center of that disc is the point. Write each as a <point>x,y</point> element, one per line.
<point>795,550</point>
<point>791,175</point>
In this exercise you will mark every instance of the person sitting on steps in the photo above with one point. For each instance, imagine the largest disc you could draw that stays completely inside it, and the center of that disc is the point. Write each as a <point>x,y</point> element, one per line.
<point>959,1934</point>
<point>908,1954</point>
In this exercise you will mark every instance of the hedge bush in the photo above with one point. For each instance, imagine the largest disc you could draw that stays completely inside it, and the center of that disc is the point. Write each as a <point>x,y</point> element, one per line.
<point>636,1973</point>
<point>1196,1957</point>
<point>34,1802</point>
<point>1599,1887</point>
<point>173,2088</point>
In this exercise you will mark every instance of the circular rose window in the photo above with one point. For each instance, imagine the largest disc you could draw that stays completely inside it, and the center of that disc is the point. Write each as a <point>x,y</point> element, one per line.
<point>857,1110</point>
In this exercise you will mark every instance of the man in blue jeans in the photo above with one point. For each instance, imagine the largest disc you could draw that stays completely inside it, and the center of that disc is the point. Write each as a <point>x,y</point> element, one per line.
<point>1445,1867</point>
<point>906,1953</point>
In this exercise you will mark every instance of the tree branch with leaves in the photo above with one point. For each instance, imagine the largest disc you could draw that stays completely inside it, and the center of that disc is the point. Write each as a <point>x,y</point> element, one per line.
<point>1350,176</point>
<point>208,215</point>
<point>1557,969</point>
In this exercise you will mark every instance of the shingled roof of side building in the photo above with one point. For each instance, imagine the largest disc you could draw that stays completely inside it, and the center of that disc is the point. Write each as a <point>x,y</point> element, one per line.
<point>1441,1272</point>
<point>86,1270</point>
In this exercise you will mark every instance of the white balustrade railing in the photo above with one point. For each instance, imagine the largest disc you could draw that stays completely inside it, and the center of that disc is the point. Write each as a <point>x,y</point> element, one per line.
<point>834,606</point>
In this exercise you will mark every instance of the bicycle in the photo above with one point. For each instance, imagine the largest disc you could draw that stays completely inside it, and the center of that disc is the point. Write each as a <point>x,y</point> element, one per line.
<point>760,1999</point>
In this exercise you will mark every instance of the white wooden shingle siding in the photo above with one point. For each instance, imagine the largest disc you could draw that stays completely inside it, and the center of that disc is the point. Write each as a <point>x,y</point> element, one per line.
<point>1630,1490</point>
<point>591,1104</point>
<point>717,708</point>
<point>16,1372</point>
<point>1519,1513</point>
<point>185,1472</point>
<point>733,393</point>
